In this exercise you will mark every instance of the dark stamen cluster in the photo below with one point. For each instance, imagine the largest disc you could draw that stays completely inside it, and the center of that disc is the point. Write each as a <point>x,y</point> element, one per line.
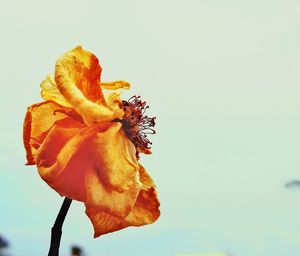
<point>136,124</point>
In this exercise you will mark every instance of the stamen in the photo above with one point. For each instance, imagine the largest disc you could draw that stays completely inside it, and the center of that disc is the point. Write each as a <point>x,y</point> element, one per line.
<point>136,124</point>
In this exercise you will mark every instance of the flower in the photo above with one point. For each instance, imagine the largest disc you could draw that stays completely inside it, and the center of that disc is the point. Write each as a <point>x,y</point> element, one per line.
<point>86,145</point>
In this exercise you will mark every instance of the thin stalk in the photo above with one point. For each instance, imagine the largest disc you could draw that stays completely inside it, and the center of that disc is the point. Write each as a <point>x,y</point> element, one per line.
<point>57,227</point>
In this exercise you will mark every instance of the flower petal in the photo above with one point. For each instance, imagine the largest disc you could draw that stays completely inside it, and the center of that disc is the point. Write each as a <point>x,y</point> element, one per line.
<point>103,222</point>
<point>77,75</point>
<point>105,206</point>
<point>51,92</point>
<point>63,160</point>
<point>114,101</point>
<point>80,68</point>
<point>114,156</point>
<point>38,120</point>
<point>113,186</point>
<point>115,85</point>
<point>107,217</point>
<point>146,209</point>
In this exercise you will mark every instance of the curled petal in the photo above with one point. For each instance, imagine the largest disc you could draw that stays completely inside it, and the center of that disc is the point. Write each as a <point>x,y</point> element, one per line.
<point>38,120</point>
<point>146,209</point>
<point>114,101</point>
<point>115,85</point>
<point>105,206</point>
<point>114,156</point>
<point>51,92</point>
<point>63,161</point>
<point>77,75</point>
<point>81,69</point>
<point>61,144</point>
<point>114,183</point>
<point>103,222</point>
<point>110,214</point>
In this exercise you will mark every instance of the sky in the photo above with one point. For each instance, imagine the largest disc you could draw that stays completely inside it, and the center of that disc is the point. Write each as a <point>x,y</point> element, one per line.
<point>222,79</point>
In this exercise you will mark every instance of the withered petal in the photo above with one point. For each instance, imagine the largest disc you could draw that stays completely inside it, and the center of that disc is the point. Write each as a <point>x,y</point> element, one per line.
<point>39,119</point>
<point>51,92</point>
<point>146,208</point>
<point>114,156</point>
<point>61,144</point>
<point>115,85</point>
<point>63,160</point>
<point>77,76</point>
<point>104,202</point>
<point>81,69</point>
<point>103,222</point>
<point>107,217</point>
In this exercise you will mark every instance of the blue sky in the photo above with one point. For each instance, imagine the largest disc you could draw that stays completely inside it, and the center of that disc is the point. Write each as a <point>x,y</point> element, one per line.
<point>221,77</point>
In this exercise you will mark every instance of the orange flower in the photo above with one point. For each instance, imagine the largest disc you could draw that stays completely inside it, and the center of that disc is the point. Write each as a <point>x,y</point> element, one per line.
<point>86,145</point>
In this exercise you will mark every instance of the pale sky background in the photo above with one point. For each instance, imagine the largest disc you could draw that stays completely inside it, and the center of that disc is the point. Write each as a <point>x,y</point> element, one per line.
<point>223,79</point>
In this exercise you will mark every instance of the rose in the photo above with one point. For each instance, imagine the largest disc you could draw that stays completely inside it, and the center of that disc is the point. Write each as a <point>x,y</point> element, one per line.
<point>86,146</point>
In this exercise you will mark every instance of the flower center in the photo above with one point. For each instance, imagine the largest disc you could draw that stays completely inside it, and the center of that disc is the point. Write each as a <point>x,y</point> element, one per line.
<point>137,125</point>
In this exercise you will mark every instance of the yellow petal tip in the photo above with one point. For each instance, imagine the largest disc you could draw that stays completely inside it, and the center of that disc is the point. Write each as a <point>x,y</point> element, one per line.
<point>115,85</point>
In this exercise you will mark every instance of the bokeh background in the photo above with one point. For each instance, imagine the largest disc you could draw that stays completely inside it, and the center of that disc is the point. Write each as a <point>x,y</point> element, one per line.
<point>222,77</point>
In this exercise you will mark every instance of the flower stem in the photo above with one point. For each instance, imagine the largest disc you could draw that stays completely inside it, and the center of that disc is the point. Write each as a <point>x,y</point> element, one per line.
<point>56,229</point>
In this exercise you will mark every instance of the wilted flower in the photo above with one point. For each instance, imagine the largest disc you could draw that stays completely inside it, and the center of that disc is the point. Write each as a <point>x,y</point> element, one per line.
<point>86,145</point>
